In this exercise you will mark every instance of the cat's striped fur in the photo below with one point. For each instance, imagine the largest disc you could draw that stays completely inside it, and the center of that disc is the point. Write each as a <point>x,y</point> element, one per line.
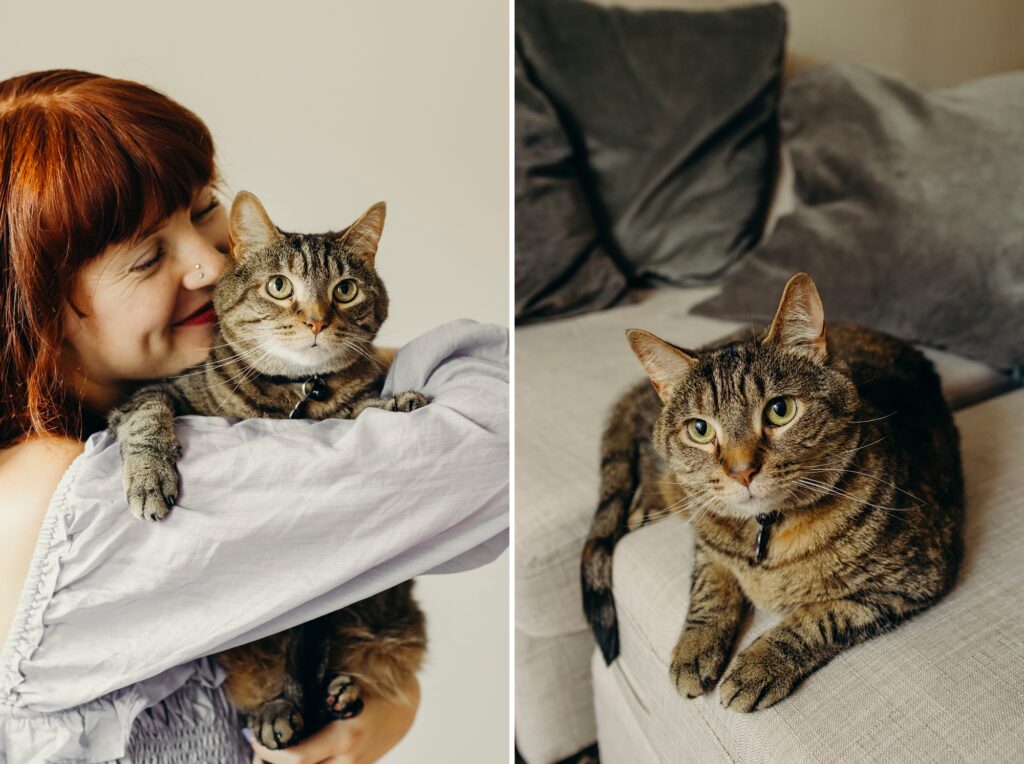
<point>861,494</point>
<point>270,353</point>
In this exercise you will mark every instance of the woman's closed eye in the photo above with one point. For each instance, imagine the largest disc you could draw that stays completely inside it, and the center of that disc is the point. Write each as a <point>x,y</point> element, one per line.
<point>201,216</point>
<point>150,261</point>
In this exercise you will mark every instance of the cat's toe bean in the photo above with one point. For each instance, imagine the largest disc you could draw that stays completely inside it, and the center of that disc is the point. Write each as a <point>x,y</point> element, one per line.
<point>758,680</point>
<point>277,724</point>
<point>344,697</point>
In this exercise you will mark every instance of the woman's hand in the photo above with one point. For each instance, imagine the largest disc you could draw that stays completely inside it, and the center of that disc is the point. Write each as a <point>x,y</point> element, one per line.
<point>361,740</point>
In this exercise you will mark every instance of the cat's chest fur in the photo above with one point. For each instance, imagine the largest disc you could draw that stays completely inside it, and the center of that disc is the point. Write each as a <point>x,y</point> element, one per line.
<point>222,387</point>
<point>801,562</point>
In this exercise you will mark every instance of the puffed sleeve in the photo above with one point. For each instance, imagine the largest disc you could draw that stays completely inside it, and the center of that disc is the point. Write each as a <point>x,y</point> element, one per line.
<point>278,522</point>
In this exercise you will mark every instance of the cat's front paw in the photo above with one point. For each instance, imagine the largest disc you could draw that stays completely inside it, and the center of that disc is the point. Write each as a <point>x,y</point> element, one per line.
<point>150,485</point>
<point>761,677</point>
<point>697,661</point>
<point>277,724</point>
<point>407,401</point>
<point>344,697</point>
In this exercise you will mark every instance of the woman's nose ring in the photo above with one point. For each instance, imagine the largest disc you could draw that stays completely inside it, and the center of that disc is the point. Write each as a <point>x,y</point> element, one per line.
<point>199,272</point>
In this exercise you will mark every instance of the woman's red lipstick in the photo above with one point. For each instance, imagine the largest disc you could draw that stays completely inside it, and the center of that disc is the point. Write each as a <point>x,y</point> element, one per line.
<point>204,315</point>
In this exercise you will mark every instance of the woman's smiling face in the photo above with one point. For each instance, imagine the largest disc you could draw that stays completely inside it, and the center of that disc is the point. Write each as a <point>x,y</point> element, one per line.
<point>144,309</point>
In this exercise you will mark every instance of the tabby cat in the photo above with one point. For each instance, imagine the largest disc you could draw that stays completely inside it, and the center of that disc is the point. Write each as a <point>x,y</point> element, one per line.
<point>297,316</point>
<point>821,477</point>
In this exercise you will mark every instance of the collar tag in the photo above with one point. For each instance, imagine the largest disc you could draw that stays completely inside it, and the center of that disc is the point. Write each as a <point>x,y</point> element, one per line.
<point>765,522</point>
<point>313,389</point>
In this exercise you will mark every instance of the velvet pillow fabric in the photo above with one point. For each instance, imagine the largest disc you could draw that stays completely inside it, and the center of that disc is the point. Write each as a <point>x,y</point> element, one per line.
<point>911,216</point>
<point>673,115</point>
<point>561,266</point>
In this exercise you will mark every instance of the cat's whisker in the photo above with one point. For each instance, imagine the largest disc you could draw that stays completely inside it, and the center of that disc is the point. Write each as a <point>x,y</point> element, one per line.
<point>876,419</point>
<point>871,477</point>
<point>227,360</point>
<point>691,503</point>
<point>247,374</point>
<point>829,489</point>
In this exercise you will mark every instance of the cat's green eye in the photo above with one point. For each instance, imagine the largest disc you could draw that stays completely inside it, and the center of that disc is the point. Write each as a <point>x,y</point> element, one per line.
<point>346,291</point>
<point>700,431</point>
<point>780,411</point>
<point>279,287</point>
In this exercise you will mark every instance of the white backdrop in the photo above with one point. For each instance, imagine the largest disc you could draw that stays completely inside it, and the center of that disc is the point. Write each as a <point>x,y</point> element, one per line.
<point>321,108</point>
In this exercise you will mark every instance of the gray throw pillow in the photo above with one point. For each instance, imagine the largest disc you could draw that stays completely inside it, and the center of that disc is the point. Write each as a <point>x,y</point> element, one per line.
<point>561,266</point>
<point>673,113</point>
<point>912,211</point>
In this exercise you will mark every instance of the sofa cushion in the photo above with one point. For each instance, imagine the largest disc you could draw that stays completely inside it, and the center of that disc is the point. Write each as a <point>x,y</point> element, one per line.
<point>912,215</point>
<point>568,374</point>
<point>948,685</point>
<point>562,268</point>
<point>673,112</point>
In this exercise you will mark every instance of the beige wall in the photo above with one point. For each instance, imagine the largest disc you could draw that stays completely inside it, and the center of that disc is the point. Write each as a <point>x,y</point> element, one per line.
<point>933,42</point>
<point>322,108</point>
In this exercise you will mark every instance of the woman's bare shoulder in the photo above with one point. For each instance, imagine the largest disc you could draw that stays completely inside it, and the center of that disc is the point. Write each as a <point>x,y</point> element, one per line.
<point>29,474</point>
<point>37,464</point>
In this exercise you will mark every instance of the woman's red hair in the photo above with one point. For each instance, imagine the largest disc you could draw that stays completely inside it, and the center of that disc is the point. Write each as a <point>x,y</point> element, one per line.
<point>86,161</point>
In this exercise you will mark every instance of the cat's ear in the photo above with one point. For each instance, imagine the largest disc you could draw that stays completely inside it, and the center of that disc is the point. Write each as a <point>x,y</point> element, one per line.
<point>361,238</point>
<point>799,323</point>
<point>665,363</point>
<point>249,226</point>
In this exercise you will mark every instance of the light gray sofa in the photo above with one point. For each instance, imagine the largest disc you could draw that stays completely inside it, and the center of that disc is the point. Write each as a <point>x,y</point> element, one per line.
<point>948,686</point>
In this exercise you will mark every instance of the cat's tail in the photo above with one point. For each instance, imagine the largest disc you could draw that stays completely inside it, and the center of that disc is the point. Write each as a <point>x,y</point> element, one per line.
<point>620,483</point>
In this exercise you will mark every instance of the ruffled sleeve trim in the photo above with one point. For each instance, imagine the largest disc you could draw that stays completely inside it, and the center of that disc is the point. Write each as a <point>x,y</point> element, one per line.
<point>97,731</point>
<point>180,708</point>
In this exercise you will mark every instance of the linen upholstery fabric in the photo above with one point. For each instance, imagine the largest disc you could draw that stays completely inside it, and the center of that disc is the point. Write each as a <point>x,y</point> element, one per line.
<point>674,115</point>
<point>278,522</point>
<point>570,372</point>
<point>912,211</point>
<point>946,686</point>
<point>554,700</point>
<point>561,266</point>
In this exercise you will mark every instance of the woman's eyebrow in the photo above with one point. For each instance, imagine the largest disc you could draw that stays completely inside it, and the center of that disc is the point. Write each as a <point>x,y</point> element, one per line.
<point>129,248</point>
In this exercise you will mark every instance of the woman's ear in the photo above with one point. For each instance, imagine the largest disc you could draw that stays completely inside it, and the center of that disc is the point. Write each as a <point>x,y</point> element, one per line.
<point>249,226</point>
<point>664,363</point>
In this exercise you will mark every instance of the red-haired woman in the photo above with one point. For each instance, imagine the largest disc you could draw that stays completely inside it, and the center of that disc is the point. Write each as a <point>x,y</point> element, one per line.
<point>111,238</point>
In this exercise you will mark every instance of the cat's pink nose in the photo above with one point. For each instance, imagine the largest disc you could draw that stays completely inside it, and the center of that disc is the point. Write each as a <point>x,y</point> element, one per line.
<point>744,473</point>
<point>316,325</point>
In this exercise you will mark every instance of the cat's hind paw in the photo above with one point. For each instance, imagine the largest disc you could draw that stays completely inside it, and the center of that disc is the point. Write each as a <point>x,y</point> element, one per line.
<point>407,401</point>
<point>277,724</point>
<point>344,697</point>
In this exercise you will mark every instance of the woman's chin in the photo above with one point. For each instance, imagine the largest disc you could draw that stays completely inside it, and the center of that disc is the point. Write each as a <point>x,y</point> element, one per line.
<point>192,344</point>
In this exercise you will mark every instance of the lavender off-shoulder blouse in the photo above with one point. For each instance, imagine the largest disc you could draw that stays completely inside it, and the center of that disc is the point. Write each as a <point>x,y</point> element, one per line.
<point>278,522</point>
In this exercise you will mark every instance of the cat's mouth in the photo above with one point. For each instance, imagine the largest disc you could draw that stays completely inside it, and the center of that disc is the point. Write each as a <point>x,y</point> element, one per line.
<point>749,502</point>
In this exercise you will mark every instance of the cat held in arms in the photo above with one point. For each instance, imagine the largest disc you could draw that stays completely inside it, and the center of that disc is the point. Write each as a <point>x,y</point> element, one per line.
<point>297,315</point>
<point>821,475</point>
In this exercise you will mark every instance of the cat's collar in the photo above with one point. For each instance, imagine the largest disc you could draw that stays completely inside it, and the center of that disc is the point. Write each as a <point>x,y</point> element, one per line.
<point>313,389</point>
<point>278,379</point>
<point>765,522</point>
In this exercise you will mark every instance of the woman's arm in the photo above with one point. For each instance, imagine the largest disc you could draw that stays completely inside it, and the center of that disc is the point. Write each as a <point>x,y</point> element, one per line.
<point>278,522</point>
<point>29,474</point>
